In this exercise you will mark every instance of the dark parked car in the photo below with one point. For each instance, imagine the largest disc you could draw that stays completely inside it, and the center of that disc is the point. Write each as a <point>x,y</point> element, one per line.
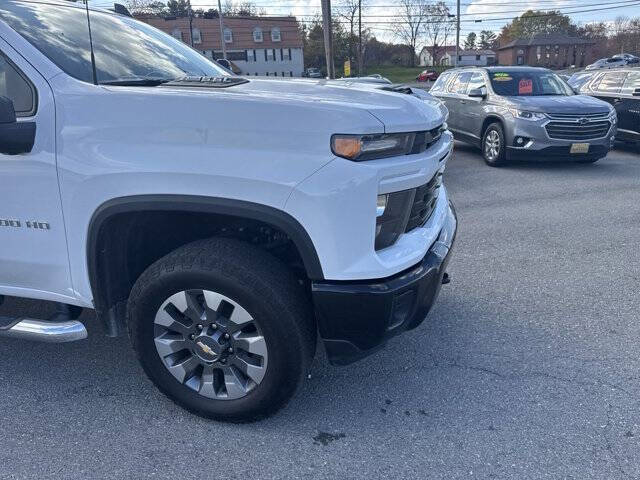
<point>621,89</point>
<point>525,113</point>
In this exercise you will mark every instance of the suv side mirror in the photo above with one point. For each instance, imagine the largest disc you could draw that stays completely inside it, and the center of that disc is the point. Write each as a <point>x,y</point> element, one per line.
<point>224,63</point>
<point>15,137</point>
<point>478,92</point>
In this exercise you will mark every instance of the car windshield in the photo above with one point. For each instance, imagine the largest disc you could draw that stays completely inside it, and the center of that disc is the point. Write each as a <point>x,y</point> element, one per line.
<point>578,79</point>
<point>126,51</point>
<point>528,83</point>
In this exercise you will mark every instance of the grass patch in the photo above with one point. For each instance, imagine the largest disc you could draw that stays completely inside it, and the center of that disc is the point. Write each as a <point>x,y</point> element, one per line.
<point>399,74</point>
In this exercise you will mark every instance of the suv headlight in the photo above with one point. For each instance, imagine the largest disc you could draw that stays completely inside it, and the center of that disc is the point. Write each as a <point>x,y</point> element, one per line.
<point>370,147</point>
<point>524,115</point>
<point>613,116</point>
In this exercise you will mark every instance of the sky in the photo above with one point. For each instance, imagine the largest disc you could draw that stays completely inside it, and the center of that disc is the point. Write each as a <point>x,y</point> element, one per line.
<point>378,14</point>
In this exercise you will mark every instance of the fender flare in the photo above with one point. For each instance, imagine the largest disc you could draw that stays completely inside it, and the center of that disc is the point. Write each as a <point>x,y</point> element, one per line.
<point>197,204</point>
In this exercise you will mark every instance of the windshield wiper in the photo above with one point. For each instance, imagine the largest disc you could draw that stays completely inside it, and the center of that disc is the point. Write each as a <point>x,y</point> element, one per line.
<point>137,82</point>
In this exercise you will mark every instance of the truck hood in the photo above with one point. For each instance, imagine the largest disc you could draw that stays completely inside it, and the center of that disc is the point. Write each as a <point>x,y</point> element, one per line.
<point>397,112</point>
<point>560,104</point>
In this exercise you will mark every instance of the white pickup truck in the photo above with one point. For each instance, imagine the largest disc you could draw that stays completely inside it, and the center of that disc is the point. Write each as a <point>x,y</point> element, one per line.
<point>224,222</point>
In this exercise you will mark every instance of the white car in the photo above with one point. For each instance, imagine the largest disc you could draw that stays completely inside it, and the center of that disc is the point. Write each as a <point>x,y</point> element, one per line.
<point>223,222</point>
<point>605,63</point>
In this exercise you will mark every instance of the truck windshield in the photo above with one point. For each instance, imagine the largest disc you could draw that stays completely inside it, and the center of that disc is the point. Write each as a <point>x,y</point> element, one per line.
<point>126,51</point>
<point>528,83</point>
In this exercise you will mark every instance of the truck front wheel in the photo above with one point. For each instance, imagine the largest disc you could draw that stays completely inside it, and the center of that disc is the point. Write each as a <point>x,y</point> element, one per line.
<point>223,329</point>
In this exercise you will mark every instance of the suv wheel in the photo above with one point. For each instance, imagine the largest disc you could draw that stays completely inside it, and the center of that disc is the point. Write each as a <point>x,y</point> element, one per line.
<point>223,329</point>
<point>493,145</point>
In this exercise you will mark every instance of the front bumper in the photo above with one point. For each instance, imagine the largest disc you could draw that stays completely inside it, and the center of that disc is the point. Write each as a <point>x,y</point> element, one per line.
<point>356,318</point>
<point>541,147</point>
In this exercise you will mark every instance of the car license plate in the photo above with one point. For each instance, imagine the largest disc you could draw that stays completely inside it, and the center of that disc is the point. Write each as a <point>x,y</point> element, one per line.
<point>579,148</point>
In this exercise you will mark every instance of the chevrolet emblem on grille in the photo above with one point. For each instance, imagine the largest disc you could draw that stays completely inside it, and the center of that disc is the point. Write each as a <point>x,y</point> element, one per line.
<point>583,121</point>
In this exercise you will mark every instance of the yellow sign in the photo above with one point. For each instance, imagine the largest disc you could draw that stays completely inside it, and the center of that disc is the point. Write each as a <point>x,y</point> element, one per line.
<point>347,68</point>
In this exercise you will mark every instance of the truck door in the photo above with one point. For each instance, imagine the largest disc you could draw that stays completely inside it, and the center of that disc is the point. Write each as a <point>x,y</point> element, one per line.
<point>33,250</point>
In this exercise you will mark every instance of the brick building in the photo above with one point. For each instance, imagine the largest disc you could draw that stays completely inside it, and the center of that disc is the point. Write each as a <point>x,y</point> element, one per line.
<point>551,51</point>
<point>266,46</point>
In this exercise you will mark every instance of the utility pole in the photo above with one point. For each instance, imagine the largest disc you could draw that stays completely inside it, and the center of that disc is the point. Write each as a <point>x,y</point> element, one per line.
<point>457,31</point>
<point>359,38</point>
<point>190,13</point>
<point>224,46</point>
<point>328,37</point>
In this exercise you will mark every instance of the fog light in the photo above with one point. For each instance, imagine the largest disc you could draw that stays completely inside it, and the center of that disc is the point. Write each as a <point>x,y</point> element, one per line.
<point>521,141</point>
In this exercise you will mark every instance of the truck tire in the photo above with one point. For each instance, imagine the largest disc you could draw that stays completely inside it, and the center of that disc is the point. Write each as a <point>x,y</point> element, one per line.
<point>223,329</point>
<point>494,147</point>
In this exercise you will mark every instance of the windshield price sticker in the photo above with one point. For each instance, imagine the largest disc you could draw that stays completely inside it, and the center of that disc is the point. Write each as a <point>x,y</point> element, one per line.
<point>525,86</point>
<point>502,77</point>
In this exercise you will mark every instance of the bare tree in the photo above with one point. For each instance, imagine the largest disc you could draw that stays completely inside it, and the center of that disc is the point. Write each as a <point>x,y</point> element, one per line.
<point>348,11</point>
<point>146,7</point>
<point>410,22</point>
<point>438,26</point>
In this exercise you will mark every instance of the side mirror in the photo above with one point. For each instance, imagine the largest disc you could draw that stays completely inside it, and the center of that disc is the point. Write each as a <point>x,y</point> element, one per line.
<point>636,92</point>
<point>224,63</point>
<point>478,92</point>
<point>15,137</point>
<point>7,111</point>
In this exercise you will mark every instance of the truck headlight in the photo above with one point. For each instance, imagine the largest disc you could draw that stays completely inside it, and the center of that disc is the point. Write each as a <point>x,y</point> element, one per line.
<point>392,216</point>
<point>370,147</point>
<point>525,115</point>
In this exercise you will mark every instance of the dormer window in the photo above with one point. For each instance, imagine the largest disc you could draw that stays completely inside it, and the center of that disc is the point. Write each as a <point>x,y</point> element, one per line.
<point>228,35</point>
<point>197,36</point>
<point>275,35</point>
<point>257,35</point>
<point>177,34</point>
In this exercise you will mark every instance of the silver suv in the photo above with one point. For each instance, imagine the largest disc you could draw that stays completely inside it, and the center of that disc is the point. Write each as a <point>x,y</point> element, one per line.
<point>525,113</point>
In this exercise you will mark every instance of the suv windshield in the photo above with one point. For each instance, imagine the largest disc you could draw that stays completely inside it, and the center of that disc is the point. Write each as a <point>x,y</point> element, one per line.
<point>528,83</point>
<point>125,50</point>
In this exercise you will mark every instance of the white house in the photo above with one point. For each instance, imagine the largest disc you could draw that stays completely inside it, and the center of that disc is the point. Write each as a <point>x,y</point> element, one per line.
<point>480,58</point>
<point>426,55</point>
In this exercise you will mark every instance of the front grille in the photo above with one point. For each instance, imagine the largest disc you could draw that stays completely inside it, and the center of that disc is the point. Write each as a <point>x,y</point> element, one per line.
<point>578,130</point>
<point>578,116</point>
<point>425,139</point>
<point>424,203</point>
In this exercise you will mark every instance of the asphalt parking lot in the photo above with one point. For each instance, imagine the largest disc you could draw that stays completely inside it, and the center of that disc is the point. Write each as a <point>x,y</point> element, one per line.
<point>527,368</point>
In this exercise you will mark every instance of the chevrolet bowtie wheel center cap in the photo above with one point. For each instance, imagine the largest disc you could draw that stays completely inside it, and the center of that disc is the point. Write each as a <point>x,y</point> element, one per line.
<point>210,344</point>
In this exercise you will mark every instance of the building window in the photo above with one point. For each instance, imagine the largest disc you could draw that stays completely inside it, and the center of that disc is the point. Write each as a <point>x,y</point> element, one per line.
<point>228,35</point>
<point>520,60</point>
<point>275,34</point>
<point>251,55</point>
<point>269,55</point>
<point>197,36</point>
<point>177,34</point>
<point>286,53</point>
<point>257,35</point>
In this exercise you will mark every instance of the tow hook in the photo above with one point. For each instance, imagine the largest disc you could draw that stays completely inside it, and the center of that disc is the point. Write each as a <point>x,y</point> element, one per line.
<point>446,279</point>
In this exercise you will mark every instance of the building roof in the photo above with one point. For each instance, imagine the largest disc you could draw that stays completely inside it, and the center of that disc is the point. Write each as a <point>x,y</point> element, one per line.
<point>472,52</point>
<point>554,39</point>
<point>441,49</point>
<point>241,31</point>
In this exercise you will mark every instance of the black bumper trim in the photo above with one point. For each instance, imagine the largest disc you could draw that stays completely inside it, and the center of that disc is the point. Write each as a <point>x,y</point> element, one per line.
<point>355,318</point>
<point>557,154</point>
